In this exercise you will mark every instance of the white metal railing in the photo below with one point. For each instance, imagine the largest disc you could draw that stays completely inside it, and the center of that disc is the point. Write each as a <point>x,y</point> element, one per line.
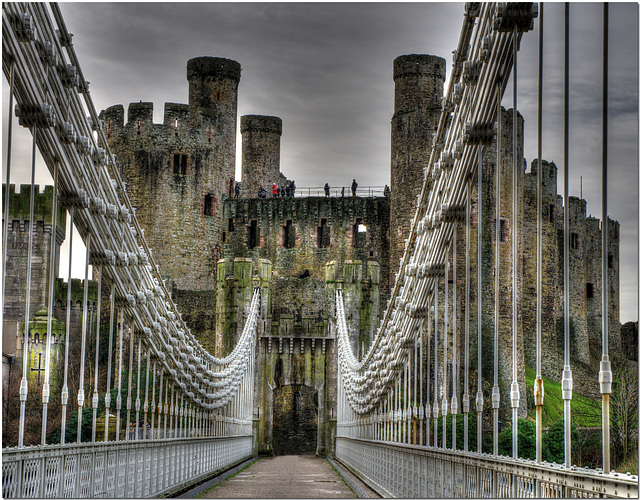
<point>404,471</point>
<point>117,469</point>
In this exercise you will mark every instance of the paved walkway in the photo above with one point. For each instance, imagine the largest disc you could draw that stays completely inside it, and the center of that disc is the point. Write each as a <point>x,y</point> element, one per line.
<point>289,476</point>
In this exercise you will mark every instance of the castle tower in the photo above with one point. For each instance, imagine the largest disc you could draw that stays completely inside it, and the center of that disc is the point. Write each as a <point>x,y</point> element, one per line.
<point>178,172</point>
<point>419,81</point>
<point>213,103</point>
<point>260,153</point>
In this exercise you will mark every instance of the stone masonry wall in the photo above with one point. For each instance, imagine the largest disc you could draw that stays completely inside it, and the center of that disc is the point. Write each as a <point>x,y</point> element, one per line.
<point>319,230</point>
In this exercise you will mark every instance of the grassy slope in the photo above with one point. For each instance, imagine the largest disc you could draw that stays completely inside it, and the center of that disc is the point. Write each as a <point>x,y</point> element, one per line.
<point>585,412</point>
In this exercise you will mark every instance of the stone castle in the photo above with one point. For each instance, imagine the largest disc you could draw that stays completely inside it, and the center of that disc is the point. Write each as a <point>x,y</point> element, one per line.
<point>212,249</point>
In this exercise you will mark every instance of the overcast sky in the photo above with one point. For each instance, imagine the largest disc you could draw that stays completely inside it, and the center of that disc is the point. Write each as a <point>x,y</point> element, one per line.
<point>326,70</point>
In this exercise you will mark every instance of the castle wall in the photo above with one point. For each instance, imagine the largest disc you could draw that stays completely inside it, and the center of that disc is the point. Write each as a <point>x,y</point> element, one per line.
<point>419,81</point>
<point>320,230</point>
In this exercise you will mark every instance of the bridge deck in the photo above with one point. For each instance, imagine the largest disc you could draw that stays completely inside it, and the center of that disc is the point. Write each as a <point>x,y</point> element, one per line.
<point>289,476</point>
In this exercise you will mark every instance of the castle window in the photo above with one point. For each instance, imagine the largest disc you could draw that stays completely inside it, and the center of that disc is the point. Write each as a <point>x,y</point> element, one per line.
<point>589,290</point>
<point>180,164</point>
<point>503,230</point>
<point>552,216</point>
<point>575,241</point>
<point>288,235</point>
<point>359,232</point>
<point>324,234</point>
<point>231,226</point>
<point>224,236</point>
<point>210,205</point>
<point>254,235</point>
<point>610,261</point>
<point>218,95</point>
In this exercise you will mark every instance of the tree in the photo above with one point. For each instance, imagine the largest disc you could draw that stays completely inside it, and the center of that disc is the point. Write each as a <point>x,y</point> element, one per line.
<point>624,413</point>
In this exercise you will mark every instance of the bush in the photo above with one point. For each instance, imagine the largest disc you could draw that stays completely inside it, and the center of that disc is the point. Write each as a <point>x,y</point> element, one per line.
<point>526,440</point>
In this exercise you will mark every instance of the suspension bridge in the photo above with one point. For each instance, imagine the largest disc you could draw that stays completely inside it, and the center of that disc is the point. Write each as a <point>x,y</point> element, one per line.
<point>194,411</point>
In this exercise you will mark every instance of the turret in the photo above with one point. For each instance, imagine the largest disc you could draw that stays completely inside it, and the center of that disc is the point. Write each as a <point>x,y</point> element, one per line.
<point>260,152</point>
<point>419,81</point>
<point>213,103</point>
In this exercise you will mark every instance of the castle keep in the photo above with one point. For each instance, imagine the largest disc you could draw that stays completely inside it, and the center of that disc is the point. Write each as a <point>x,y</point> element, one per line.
<point>212,248</point>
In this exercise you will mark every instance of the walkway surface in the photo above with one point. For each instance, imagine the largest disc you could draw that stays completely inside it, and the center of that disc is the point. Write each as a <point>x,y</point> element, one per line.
<point>289,476</point>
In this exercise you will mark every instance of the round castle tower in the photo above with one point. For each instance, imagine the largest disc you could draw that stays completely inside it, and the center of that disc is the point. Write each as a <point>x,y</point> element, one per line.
<point>419,81</point>
<point>213,101</point>
<point>260,153</point>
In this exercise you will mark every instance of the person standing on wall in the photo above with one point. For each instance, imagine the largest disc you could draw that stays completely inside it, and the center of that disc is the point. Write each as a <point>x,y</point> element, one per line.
<point>293,188</point>
<point>326,189</point>
<point>237,189</point>
<point>387,191</point>
<point>274,190</point>
<point>354,186</point>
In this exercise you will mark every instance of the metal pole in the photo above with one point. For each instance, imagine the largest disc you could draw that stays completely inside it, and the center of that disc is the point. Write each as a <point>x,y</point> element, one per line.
<point>138,391</point>
<point>605,376</point>
<point>515,389</point>
<point>444,354</point>
<point>107,396</point>
<point>435,368</point>
<point>7,191</point>
<point>146,395</point>
<point>131,349</point>
<point>495,395</point>
<point>465,396</point>
<point>567,382</point>
<point>65,388</point>
<point>83,342</point>
<point>52,264</point>
<point>119,396</point>
<point>538,388</point>
<point>154,408</point>
<point>427,409</point>
<point>455,371</point>
<point>95,377</point>
<point>27,314</point>
<point>479,398</point>
<point>421,409</point>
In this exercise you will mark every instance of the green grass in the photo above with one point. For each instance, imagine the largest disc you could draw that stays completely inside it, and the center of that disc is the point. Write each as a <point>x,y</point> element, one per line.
<point>585,412</point>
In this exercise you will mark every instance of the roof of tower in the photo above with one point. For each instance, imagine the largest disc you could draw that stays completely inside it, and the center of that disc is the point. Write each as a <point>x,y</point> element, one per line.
<point>418,64</point>
<point>218,67</point>
<point>261,122</point>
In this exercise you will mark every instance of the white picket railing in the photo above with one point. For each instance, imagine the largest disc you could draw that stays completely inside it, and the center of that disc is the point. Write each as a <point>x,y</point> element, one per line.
<point>124,469</point>
<point>406,471</point>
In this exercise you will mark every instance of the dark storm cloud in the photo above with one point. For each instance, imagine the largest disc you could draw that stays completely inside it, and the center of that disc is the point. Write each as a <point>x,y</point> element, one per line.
<point>326,70</point>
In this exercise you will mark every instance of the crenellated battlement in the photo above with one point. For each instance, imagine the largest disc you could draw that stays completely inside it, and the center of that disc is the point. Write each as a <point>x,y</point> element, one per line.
<point>19,207</point>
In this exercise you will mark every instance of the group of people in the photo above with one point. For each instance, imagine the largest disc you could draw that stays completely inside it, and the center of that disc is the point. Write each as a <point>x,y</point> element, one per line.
<point>289,190</point>
<point>354,187</point>
<point>286,191</point>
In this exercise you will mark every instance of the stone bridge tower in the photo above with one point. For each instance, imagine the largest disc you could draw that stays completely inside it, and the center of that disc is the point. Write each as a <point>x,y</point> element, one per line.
<point>419,81</point>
